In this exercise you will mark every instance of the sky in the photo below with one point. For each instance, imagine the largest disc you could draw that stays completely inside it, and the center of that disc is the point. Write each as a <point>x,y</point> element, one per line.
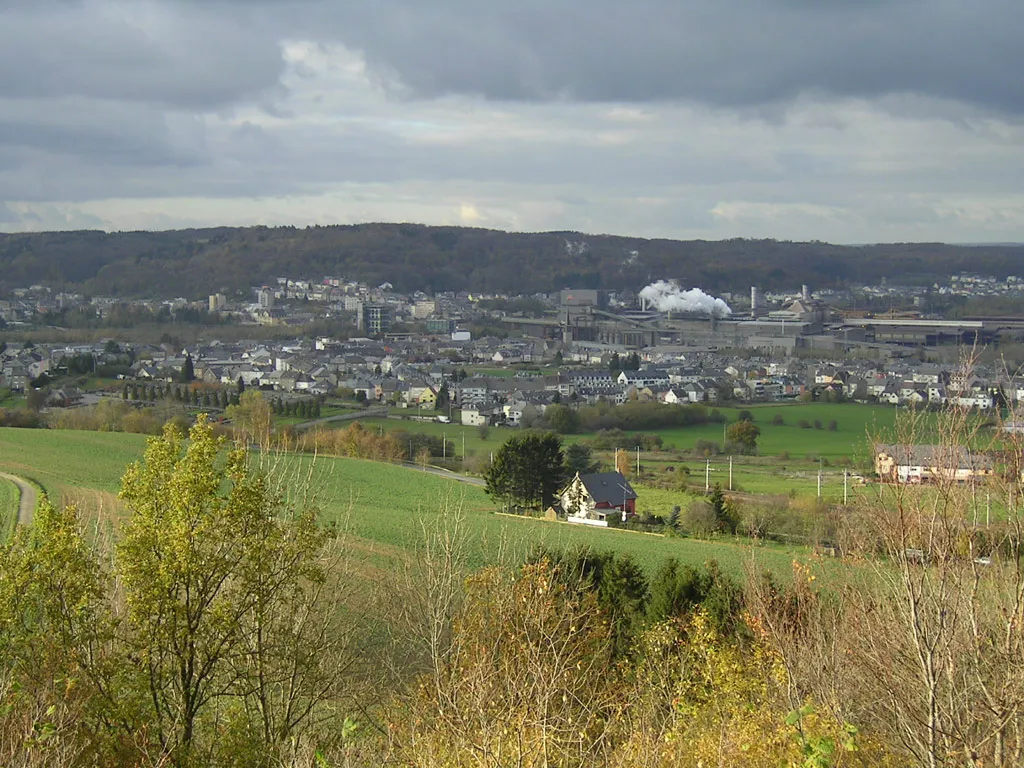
<point>851,121</point>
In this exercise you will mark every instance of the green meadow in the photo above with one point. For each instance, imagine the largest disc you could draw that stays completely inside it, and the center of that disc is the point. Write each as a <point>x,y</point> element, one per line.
<point>386,507</point>
<point>855,423</point>
<point>10,497</point>
<point>60,460</point>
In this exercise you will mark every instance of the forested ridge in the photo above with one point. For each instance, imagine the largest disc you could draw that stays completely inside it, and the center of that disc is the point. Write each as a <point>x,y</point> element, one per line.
<point>194,262</point>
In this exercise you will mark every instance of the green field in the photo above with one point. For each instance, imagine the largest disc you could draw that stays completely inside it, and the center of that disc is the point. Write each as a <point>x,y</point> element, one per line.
<point>854,422</point>
<point>9,400</point>
<point>62,459</point>
<point>10,497</point>
<point>385,506</point>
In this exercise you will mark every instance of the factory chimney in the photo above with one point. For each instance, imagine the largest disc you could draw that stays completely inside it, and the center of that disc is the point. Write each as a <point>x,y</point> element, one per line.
<point>755,299</point>
<point>805,292</point>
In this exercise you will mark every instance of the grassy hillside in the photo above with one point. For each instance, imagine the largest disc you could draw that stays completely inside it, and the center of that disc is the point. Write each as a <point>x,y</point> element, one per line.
<point>385,506</point>
<point>9,500</point>
<point>63,459</point>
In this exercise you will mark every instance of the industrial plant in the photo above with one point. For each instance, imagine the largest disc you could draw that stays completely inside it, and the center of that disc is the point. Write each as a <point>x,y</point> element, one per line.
<point>665,315</point>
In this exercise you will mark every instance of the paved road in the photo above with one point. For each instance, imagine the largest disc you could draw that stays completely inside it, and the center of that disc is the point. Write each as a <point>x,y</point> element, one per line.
<point>447,474</point>
<point>27,507</point>
<point>368,413</point>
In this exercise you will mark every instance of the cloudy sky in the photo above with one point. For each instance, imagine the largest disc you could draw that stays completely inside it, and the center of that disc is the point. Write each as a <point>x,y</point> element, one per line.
<point>842,120</point>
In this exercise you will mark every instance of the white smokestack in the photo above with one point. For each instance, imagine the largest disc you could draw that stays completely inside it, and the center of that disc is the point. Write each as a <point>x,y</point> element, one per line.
<point>667,296</point>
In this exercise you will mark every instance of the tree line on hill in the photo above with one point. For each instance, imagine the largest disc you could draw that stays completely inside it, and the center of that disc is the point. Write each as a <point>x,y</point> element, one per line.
<point>224,625</point>
<point>631,415</point>
<point>414,257</point>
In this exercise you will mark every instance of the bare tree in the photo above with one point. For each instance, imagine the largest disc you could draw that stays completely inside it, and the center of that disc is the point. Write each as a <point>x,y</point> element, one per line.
<point>922,638</point>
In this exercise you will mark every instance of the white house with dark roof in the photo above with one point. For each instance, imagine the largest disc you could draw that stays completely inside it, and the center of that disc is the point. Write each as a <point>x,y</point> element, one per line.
<point>598,498</point>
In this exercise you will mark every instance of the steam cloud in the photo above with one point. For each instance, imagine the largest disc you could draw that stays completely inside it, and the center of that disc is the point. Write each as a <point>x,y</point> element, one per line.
<point>667,296</point>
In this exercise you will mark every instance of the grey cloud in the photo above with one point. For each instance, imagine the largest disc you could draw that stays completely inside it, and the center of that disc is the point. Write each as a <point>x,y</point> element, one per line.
<point>115,136</point>
<point>723,52</point>
<point>155,52</point>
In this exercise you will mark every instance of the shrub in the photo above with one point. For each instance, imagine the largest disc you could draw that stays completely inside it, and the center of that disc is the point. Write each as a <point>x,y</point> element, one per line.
<point>778,421</point>
<point>804,424</point>
<point>744,415</point>
<point>758,520</point>
<point>707,448</point>
<point>832,426</point>
<point>699,519</point>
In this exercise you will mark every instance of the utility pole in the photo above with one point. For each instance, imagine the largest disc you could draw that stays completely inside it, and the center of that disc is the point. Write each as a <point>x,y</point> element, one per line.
<point>846,484</point>
<point>444,446</point>
<point>730,473</point>
<point>988,507</point>
<point>707,477</point>
<point>819,477</point>
<point>638,461</point>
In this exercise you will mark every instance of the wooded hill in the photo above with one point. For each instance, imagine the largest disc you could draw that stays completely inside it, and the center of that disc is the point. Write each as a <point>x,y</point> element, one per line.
<point>195,262</point>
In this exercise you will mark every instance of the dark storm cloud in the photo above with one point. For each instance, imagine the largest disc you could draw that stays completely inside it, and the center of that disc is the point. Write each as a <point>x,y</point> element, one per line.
<point>723,52</point>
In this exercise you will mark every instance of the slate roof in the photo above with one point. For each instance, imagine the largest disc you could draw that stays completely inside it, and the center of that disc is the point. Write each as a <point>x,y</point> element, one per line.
<point>607,487</point>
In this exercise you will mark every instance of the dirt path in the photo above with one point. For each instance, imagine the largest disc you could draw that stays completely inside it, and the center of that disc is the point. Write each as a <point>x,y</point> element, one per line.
<point>27,507</point>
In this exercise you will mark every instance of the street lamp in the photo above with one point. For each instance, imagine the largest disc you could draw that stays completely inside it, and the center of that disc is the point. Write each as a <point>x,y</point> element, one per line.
<point>625,492</point>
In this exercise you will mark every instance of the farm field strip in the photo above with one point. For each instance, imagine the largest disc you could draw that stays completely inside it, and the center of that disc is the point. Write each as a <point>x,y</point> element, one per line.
<point>385,505</point>
<point>10,497</point>
<point>855,424</point>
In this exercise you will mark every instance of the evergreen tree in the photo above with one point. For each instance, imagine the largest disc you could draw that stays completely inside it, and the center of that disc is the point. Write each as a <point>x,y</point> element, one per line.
<point>443,398</point>
<point>240,386</point>
<point>528,470</point>
<point>188,371</point>
<point>623,596</point>
<point>673,518</point>
<point>725,515</point>
<point>580,458</point>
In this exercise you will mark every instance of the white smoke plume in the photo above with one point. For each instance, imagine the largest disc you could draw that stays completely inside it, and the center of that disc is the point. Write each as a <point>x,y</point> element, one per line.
<point>667,296</point>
